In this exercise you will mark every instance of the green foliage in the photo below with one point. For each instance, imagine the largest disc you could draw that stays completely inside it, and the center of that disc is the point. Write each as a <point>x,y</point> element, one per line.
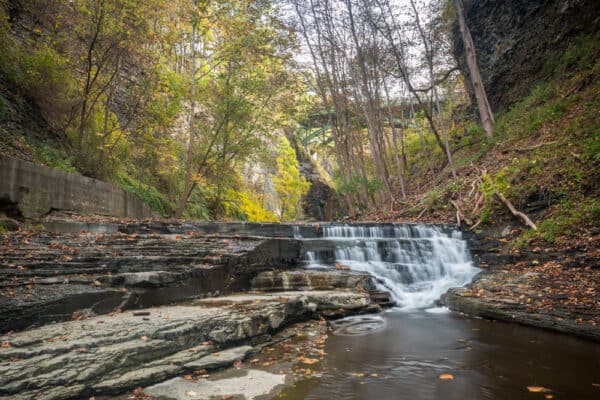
<point>118,78</point>
<point>8,57</point>
<point>4,108</point>
<point>289,184</point>
<point>438,197</point>
<point>581,55</point>
<point>434,199</point>
<point>568,217</point>
<point>252,210</point>
<point>357,184</point>
<point>52,157</point>
<point>150,195</point>
<point>196,207</point>
<point>496,183</point>
<point>561,116</point>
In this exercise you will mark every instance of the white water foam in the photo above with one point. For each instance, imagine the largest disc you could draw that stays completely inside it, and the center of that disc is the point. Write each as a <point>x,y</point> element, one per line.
<point>415,263</point>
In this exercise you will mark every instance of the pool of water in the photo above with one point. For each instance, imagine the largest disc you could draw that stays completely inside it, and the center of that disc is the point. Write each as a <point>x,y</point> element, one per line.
<point>404,356</point>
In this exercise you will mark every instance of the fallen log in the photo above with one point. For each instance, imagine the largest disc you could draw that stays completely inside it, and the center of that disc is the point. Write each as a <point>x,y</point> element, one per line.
<point>515,212</point>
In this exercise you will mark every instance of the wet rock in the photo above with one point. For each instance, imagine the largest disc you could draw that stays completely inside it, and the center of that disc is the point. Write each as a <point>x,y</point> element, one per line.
<point>221,359</point>
<point>248,384</point>
<point>504,296</point>
<point>57,274</point>
<point>311,280</point>
<point>61,226</point>
<point>145,279</point>
<point>113,354</point>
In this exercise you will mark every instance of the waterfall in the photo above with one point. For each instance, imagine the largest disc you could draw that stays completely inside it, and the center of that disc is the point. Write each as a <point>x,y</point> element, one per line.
<point>415,263</point>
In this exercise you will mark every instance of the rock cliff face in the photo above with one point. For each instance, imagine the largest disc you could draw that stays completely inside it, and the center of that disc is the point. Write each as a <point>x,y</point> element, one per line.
<point>321,202</point>
<point>513,40</point>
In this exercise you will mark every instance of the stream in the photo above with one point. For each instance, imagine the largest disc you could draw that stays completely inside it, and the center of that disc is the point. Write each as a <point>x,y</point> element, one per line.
<point>488,359</point>
<point>401,353</point>
<point>261,317</point>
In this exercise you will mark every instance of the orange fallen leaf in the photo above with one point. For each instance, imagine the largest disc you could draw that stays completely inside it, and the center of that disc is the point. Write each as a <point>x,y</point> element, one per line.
<point>188,377</point>
<point>537,389</point>
<point>446,377</point>
<point>306,360</point>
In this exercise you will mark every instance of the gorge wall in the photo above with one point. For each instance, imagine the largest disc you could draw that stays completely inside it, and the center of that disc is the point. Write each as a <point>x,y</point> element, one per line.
<point>514,39</point>
<point>321,202</point>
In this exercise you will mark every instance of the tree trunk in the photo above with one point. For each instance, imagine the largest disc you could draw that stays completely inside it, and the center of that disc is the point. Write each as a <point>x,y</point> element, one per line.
<point>188,181</point>
<point>485,111</point>
<point>395,141</point>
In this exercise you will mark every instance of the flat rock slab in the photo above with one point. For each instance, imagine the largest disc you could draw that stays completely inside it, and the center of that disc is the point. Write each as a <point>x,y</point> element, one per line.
<point>45,271</point>
<point>534,296</point>
<point>312,280</point>
<point>113,354</point>
<point>319,299</point>
<point>221,359</point>
<point>249,384</point>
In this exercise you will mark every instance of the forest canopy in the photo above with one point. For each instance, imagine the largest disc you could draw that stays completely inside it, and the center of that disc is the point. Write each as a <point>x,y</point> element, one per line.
<point>238,109</point>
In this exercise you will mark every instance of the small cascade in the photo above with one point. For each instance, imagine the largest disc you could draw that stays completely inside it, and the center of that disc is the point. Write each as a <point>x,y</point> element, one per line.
<point>415,263</point>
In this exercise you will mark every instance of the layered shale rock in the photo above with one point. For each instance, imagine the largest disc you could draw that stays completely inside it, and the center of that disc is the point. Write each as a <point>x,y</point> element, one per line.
<point>48,277</point>
<point>112,354</point>
<point>311,280</point>
<point>515,39</point>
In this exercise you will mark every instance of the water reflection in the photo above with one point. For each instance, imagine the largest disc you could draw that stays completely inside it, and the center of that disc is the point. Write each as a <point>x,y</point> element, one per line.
<point>489,360</point>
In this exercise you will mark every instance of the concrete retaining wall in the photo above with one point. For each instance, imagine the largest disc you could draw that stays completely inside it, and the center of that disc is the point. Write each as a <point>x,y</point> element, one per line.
<point>37,190</point>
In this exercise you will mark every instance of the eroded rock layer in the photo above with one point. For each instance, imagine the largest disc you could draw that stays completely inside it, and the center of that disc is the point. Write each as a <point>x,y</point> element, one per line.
<point>111,354</point>
<point>48,277</point>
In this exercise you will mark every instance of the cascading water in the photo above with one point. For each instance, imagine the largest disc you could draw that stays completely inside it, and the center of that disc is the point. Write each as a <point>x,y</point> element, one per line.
<point>415,263</point>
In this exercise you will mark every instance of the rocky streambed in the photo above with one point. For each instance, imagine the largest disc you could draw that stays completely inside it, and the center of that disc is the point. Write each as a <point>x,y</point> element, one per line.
<point>115,353</point>
<point>163,309</point>
<point>51,276</point>
<point>546,287</point>
<point>103,312</point>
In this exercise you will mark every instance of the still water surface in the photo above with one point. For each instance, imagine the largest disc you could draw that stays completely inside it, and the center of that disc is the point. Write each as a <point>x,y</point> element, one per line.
<point>489,360</point>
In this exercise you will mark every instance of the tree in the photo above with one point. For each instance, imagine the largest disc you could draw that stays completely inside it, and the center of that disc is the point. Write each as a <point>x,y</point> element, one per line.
<point>485,111</point>
<point>289,184</point>
<point>237,72</point>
